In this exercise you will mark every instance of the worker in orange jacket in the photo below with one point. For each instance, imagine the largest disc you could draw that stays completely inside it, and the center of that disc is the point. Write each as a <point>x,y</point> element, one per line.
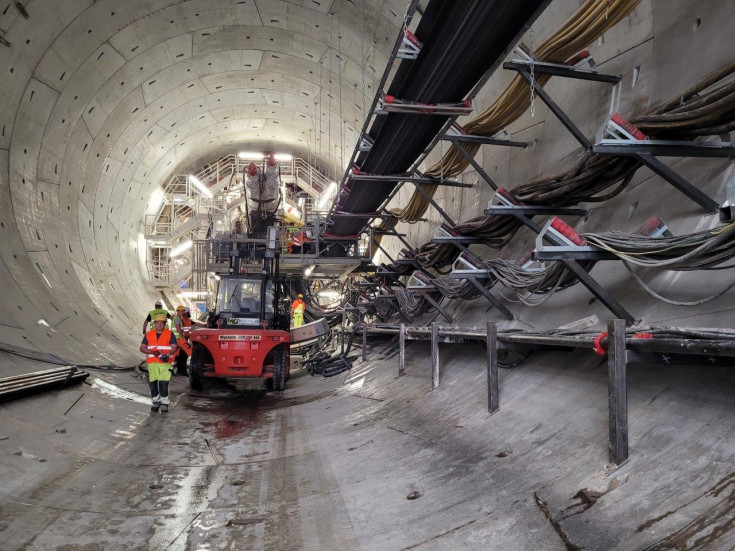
<point>297,311</point>
<point>159,345</point>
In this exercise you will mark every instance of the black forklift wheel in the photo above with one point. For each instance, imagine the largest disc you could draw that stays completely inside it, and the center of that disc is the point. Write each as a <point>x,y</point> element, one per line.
<point>278,382</point>
<point>196,369</point>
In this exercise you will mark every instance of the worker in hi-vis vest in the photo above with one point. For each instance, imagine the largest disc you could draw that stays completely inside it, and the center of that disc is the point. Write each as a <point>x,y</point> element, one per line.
<point>159,345</point>
<point>148,321</point>
<point>297,311</point>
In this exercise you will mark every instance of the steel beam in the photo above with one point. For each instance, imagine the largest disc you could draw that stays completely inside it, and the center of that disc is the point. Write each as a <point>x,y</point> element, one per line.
<point>617,391</point>
<point>484,140</point>
<point>467,240</point>
<point>558,70</point>
<point>665,148</point>
<point>493,397</point>
<point>393,178</point>
<point>434,355</point>
<point>402,350</point>
<point>534,210</point>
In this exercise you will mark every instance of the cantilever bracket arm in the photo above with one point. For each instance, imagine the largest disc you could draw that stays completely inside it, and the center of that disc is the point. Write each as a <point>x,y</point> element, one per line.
<point>680,183</point>
<point>470,159</point>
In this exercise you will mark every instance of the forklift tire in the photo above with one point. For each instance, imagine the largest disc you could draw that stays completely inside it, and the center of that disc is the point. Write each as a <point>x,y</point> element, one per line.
<point>196,378</point>
<point>181,358</point>
<point>279,370</point>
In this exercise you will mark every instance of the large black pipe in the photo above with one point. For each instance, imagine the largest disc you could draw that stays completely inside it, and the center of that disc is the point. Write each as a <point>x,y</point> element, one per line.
<point>463,40</point>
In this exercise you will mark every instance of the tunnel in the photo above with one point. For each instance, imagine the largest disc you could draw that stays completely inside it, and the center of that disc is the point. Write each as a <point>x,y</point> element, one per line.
<point>511,223</point>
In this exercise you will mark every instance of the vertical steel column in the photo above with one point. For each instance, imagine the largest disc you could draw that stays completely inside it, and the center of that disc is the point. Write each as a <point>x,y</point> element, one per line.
<point>434,355</point>
<point>493,399</point>
<point>342,330</point>
<point>402,350</point>
<point>617,391</point>
<point>364,341</point>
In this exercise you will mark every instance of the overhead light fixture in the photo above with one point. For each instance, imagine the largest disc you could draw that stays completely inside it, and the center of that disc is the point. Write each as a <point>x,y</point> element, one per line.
<point>283,157</point>
<point>197,183</point>
<point>308,270</point>
<point>181,248</point>
<point>250,155</point>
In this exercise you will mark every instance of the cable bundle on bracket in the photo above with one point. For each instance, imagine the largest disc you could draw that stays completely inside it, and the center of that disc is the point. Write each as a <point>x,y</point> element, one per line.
<point>706,107</point>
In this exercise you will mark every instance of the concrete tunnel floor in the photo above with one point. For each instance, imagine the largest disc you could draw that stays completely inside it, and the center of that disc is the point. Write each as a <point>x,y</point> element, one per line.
<point>331,463</point>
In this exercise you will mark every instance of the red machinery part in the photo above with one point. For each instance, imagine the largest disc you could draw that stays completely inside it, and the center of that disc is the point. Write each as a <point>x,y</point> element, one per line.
<point>576,58</point>
<point>413,40</point>
<point>252,170</point>
<point>271,160</point>
<point>650,226</point>
<point>567,231</point>
<point>629,127</point>
<point>597,344</point>
<point>389,98</point>
<point>238,352</point>
<point>643,336</point>
<point>525,257</point>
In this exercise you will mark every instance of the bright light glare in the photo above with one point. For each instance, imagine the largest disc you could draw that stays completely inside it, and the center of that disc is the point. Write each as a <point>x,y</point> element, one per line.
<point>250,155</point>
<point>200,186</point>
<point>327,195</point>
<point>193,293</point>
<point>183,247</point>
<point>307,271</point>
<point>283,157</point>
<point>329,293</point>
<point>301,202</point>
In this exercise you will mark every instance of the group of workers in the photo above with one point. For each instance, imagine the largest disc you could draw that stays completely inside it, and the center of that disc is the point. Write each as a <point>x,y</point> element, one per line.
<point>162,346</point>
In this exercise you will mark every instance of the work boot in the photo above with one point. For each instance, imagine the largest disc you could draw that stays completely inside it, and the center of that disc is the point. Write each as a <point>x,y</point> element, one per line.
<point>164,408</point>
<point>155,406</point>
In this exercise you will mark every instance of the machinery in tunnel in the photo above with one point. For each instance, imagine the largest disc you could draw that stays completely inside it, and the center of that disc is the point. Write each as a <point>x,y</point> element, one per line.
<point>511,225</point>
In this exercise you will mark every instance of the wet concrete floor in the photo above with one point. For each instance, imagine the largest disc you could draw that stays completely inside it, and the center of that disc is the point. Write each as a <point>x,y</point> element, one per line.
<point>368,460</point>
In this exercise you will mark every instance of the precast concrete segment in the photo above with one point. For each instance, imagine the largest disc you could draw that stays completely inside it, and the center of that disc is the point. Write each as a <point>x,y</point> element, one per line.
<point>375,461</point>
<point>102,102</point>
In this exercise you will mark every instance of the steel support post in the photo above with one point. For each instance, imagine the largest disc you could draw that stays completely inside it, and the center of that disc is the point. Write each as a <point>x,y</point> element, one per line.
<point>342,330</point>
<point>402,350</point>
<point>617,391</point>
<point>493,397</point>
<point>434,355</point>
<point>470,159</point>
<point>364,341</point>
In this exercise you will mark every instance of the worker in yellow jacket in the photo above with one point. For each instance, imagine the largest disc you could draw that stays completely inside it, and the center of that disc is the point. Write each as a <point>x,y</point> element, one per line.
<point>297,311</point>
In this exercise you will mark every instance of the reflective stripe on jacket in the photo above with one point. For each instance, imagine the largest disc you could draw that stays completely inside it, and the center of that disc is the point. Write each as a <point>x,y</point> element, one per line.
<point>162,344</point>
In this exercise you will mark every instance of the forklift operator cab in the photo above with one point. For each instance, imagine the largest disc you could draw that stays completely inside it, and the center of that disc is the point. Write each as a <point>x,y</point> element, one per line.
<point>243,302</point>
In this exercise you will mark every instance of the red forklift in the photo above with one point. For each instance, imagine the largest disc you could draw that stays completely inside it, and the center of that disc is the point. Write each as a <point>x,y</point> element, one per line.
<point>247,332</point>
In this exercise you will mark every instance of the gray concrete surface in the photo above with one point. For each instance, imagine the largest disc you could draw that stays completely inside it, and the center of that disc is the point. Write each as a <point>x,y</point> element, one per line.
<point>101,101</point>
<point>331,462</point>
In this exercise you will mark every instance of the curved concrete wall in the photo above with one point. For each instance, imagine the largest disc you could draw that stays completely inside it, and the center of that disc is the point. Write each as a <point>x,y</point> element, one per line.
<point>102,101</point>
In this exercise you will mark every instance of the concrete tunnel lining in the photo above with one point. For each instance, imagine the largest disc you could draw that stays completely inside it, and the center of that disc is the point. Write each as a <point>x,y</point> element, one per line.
<point>81,157</point>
